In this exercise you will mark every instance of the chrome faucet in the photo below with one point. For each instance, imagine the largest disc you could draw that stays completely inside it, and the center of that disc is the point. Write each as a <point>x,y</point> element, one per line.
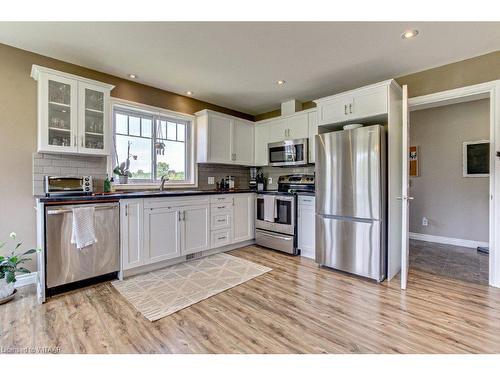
<point>164,179</point>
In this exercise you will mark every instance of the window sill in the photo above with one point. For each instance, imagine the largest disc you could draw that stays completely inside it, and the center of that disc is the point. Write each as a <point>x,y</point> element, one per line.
<point>150,186</point>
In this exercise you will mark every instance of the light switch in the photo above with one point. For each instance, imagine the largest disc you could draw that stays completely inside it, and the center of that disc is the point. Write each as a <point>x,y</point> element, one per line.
<point>211,180</point>
<point>270,180</point>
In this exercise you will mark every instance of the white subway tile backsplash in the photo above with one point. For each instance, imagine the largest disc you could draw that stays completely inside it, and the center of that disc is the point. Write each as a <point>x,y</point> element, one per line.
<point>67,165</point>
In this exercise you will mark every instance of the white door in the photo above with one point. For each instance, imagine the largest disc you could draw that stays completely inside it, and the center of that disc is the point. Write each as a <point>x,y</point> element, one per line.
<point>243,143</point>
<point>58,126</point>
<point>162,234</point>
<point>219,130</point>
<point>297,126</point>
<point>196,225</point>
<point>131,233</point>
<point>92,119</point>
<point>243,217</point>
<point>404,193</point>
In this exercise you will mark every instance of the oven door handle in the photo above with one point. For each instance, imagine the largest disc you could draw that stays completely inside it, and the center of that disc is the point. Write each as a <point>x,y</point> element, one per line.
<point>276,236</point>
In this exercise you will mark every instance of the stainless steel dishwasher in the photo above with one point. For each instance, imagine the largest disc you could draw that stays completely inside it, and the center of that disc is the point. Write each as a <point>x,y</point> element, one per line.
<point>65,264</point>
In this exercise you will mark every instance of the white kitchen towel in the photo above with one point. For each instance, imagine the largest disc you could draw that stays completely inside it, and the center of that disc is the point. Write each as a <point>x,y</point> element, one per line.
<point>269,208</point>
<point>83,228</point>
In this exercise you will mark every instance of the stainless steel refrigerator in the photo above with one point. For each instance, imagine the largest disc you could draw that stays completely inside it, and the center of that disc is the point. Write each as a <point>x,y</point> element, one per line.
<point>351,201</point>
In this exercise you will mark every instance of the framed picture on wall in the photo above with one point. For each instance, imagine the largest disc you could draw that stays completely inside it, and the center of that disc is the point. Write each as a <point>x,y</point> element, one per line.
<point>476,158</point>
<point>413,157</point>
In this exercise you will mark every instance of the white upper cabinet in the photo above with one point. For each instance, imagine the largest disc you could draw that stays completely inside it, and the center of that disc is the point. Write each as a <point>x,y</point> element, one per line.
<point>297,126</point>
<point>365,102</point>
<point>224,139</point>
<point>313,131</point>
<point>73,113</point>
<point>262,138</point>
<point>277,130</point>
<point>243,142</point>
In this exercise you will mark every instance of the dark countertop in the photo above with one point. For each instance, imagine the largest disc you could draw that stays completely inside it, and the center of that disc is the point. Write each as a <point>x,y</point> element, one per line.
<point>135,194</point>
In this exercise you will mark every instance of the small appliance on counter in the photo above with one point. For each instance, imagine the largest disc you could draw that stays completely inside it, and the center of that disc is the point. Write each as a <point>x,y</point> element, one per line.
<point>68,185</point>
<point>275,223</point>
<point>252,184</point>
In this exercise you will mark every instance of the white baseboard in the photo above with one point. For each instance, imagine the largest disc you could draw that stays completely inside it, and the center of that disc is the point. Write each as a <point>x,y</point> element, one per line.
<point>447,240</point>
<point>25,279</point>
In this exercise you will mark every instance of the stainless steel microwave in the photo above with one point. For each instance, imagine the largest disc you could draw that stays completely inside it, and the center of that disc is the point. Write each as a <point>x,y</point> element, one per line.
<point>288,153</point>
<point>55,185</point>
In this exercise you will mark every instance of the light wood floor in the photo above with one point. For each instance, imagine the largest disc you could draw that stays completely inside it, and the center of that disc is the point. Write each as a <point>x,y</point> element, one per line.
<point>296,308</point>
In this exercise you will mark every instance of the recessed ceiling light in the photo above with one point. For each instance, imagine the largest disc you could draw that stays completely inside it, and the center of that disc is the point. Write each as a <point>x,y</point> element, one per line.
<point>132,76</point>
<point>189,93</point>
<point>408,34</point>
<point>281,82</point>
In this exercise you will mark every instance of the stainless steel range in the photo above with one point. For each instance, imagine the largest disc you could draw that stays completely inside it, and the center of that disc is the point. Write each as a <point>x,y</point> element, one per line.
<point>275,223</point>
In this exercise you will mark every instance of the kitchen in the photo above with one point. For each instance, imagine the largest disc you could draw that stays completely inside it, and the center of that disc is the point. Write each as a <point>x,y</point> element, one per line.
<point>161,206</point>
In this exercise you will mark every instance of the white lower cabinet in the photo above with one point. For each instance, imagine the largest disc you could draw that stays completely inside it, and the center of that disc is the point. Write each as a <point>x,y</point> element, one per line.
<point>196,229</point>
<point>243,217</point>
<point>158,229</point>
<point>306,226</point>
<point>162,233</point>
<point>131,233</point>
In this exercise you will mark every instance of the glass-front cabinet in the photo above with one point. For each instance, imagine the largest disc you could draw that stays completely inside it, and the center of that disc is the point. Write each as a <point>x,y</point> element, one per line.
<point>73,113</point>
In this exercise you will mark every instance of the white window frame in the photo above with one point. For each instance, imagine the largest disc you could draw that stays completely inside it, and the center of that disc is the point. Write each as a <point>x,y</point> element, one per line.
<point>191,166</point>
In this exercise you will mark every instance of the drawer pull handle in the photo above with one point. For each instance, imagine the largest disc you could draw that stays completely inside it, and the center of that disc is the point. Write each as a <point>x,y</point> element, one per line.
<point>221,207</point>
<point>221,221</point>
<point>221,238</point>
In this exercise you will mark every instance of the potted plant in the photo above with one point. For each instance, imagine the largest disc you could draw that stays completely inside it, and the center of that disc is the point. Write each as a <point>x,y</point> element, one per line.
<point>10,265</point>
<point>123,169</point>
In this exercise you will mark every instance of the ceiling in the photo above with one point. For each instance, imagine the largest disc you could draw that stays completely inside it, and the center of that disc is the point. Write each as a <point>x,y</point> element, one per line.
<point>237,64</point>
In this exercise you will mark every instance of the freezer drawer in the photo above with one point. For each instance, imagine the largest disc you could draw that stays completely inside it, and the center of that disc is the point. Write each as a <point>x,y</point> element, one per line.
<point>352,246</point>
<point>67,264</point>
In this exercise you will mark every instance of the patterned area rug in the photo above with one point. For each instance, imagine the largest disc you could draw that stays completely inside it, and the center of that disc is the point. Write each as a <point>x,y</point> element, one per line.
<point>160,293</point>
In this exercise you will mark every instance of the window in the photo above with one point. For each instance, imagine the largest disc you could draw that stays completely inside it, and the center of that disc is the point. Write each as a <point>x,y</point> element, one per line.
<point>158,146</point>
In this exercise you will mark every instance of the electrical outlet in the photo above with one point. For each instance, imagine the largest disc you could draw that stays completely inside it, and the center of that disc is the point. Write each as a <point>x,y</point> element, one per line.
<point>211,180</point>
<point>425,221</point>
<point>270,180</point>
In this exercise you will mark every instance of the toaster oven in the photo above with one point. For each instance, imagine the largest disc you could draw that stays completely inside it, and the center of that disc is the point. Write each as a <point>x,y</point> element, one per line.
<point>75,185</point>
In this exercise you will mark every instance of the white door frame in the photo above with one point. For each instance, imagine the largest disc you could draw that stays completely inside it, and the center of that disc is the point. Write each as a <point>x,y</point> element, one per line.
<point>485,90</point>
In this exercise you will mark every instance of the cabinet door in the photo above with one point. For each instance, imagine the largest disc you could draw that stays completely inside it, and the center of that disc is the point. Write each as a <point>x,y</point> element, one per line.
<point>219,139</point>
<point>196,229</point>
<point>297,126</point>
<point>58,103</point>
<point>131,233</point>
<point>306,228</point>
<point>313,131</point>
<point>369,102</point>
<point>277,130</point>
<point>261,141</point>
<point>334,110</point>
<point>243,217</point>
<point>243,143</point>
<point>162,234</point>
<point>93,131</point>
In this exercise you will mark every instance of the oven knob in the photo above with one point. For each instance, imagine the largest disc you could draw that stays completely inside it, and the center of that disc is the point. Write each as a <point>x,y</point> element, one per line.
<point>87,184</point>
<point>86,178</point>
<point>87,189</point>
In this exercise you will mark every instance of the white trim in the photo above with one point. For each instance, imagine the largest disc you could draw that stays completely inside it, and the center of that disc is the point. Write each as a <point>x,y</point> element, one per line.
<point>26,279</point>
<point>483,90</point>
<point>447,240</point>
<point>37,69</point>
<point>149,109</point>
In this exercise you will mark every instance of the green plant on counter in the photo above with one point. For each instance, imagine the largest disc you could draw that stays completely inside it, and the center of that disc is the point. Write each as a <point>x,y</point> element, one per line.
<point>10,264</point>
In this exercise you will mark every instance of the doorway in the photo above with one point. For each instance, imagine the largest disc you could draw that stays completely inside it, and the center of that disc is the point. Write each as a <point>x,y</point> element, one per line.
<point>449,182</point>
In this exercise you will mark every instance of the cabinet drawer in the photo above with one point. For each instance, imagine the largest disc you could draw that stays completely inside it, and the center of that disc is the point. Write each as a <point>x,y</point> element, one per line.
<point>221,220</point>
<point>221,238</point>
<point>306,200</point>
<point>220,207</point>
<point>215,199</point>
<point>174,202</point>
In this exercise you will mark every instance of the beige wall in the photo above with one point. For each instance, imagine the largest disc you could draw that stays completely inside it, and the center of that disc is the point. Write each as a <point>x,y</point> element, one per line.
<point>472,71</point>
<point>18,125</point>
<point>456,206</point>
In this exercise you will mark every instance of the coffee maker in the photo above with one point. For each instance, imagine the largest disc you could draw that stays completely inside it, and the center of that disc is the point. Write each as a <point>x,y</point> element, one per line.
<point>252,184</point>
